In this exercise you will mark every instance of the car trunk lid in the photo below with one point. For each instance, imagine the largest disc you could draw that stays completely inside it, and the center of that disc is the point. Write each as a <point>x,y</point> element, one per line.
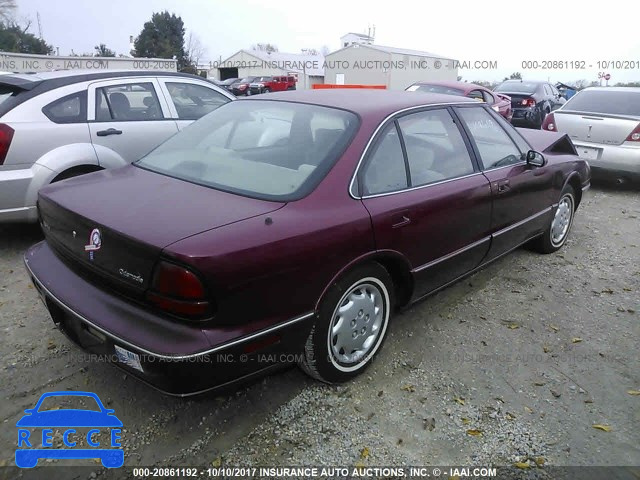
<point>595,127</point>
<point>113,225</point>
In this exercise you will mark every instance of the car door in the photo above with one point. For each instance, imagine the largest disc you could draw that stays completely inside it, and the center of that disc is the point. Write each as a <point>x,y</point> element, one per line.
<point>190,100</point>
<point>521,193</point>
<point>426,197</point>
<point>127,118</point>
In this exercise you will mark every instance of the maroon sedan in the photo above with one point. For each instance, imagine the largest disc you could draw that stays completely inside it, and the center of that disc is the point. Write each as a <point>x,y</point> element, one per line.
<point>499,102</point>
<point>289,229</point>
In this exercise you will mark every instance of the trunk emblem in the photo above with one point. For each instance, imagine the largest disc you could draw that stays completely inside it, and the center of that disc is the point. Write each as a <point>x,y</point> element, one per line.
<point>74,234</point>
<point>131,276</point>
<point>95,242</point>
<point>589,133</point>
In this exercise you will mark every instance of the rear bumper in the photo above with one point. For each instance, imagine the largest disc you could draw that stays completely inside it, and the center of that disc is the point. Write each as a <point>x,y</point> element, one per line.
<point>610,160</point>
<point>18,192</point>
<point>618,176</point>
<point>526,117</point>
<point>176,358</point>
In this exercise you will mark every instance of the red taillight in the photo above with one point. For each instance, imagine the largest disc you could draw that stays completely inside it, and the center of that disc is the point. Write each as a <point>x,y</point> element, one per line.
<point>6,135</point>
<point>529,102</point>
<point>635,135</point>
<point>178,290</point>
<point>549,123</point>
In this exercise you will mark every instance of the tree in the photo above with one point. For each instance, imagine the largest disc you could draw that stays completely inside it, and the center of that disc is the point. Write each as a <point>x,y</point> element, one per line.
<point>14,38</point>
<point>7,7</point>
<point>515,76</point>
<point>264,47</point>
<point>103,51</point>
<point>162,37</point>
<point>194,52</point>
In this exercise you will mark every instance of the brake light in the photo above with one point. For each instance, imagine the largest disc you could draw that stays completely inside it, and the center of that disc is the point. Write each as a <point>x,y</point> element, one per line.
<point>635,135</point>
<point>177,290</point>
<point>529,102</point>
<point>6,135</point>
<point>549,123</point>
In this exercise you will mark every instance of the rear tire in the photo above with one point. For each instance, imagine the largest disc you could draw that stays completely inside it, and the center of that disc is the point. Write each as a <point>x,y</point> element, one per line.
<point>350,326</point>
<point>555,236</point>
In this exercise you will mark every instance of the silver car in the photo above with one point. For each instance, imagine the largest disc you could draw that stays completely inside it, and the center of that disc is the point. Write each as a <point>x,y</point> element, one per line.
<point>57,125</point>
<point>604,125</point>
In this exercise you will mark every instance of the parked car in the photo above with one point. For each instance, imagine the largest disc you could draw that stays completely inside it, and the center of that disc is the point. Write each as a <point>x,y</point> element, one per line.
<point>227,83</point>
<point>530,101</point>
<point>604,125</point>
<point>272,84</point>
<point>57,125</point>
<point>299,223</point>
<point>497,101</point>
<point>241,86</point>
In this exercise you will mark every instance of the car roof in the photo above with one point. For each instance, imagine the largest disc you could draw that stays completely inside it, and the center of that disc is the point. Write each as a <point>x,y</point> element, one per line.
<point>517,80</point>
<point>464,86</point>
<point>364,101</point>
<point>33,84</point>
<point>612,89</point>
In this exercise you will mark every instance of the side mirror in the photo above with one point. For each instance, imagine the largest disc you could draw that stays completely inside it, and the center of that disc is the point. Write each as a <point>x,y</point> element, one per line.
<point>536,159</point>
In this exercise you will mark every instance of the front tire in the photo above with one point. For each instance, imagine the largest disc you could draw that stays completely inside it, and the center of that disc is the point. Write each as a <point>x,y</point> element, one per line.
<point>557,232</point>
<point>351,325</point>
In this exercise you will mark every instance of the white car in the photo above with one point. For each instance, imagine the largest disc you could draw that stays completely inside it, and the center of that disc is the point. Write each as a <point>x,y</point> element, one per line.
<point>57,125</point>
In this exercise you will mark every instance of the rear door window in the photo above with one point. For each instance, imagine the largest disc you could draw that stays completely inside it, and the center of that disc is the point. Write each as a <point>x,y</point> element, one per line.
<point>435,148</point>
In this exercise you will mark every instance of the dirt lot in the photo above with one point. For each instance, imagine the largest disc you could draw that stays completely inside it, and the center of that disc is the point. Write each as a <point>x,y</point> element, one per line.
<point>517,363</point>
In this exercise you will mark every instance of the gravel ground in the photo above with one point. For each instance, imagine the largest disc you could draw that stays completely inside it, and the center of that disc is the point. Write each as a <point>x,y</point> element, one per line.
<point>513,365</point>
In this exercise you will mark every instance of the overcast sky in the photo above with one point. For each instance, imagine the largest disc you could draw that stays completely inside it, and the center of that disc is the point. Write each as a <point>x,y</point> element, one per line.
<point>508,32</point>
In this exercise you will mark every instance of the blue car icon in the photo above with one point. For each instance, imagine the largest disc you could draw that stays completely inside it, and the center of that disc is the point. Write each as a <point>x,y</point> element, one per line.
<point>68,418</point>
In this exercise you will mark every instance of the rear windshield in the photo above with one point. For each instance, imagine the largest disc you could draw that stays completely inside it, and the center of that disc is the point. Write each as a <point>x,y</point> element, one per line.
<point>435,89</point>
<point>7,92</point>
<point>613,102</point>
<point>522,87</point>
<point>262,149</point>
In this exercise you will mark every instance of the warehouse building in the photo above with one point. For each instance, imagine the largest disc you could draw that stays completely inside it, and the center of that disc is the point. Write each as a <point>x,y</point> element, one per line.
<point>307,68</point>
<point>396,68</point>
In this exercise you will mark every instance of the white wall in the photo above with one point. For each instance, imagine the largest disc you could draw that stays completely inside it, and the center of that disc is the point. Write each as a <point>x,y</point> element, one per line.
<point>403,69</point>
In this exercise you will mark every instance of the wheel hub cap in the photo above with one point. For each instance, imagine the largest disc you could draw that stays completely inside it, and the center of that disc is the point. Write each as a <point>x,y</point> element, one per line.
<point>561,221</point>
<point>356,323</point>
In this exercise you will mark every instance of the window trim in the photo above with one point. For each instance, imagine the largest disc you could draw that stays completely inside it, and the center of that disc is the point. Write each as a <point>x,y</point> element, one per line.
<point>393,117</point>
<point>82,94</point>
<point>477,151</point>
